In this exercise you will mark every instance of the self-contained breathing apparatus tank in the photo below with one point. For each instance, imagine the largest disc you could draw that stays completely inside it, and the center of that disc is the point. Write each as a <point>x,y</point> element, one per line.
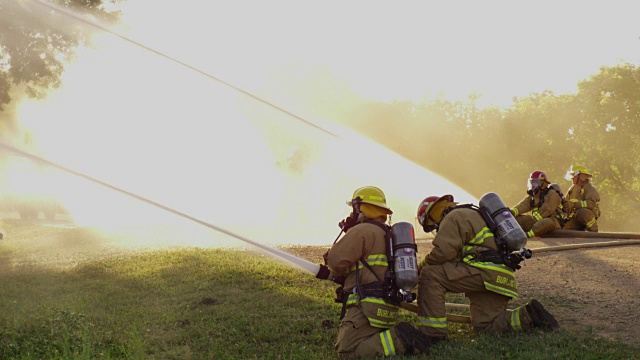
<point>403,251</point>
<point>510,237</point>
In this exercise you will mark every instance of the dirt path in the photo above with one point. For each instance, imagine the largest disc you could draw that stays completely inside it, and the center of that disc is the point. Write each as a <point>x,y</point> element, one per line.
<point>594,288</point>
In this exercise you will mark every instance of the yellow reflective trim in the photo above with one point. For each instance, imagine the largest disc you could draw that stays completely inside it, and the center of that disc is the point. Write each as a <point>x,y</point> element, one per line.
<point>583,203</point>
<point>488,265</point>
<point>590,223</point>
<point>381,324</point>
<point>375,301</point>
<point>432,322</point>
<point>353,299</point>
<point>515,319</point>
<point>530,233</point>
<point>373,260</point>
<point>479,239</point>
<point>481,236</point>
<point>387,343</point>
<point>515,211</point>
<point>500,290</point>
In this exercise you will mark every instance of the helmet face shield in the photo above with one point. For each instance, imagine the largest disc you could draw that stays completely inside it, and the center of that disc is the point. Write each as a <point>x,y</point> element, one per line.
<point>536,179</point>
<point>569,175</point>
<point>532,186</point>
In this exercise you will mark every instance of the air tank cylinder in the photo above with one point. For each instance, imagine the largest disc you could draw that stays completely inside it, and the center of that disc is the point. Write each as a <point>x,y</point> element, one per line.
<point>404,253</point>
<point>503,223</point>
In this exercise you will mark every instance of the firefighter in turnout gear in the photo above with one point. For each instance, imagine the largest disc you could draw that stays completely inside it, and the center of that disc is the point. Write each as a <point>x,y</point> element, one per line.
<point>584,201</point>
<point>465,259</point>
<point>369,322</point>
<point>565,203</point>
<point>541,210</point>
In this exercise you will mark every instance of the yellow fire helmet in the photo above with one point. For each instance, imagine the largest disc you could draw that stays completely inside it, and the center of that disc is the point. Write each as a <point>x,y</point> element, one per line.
<point>370,195</point>
<point>577,170</point>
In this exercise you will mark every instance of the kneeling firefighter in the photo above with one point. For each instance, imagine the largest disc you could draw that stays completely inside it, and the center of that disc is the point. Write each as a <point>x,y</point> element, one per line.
<point>476,251</point>
<point>360,260</point>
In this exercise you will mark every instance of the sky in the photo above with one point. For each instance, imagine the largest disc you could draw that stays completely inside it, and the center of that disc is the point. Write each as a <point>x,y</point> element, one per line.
<point>147,122</point>
<point>408,49</point>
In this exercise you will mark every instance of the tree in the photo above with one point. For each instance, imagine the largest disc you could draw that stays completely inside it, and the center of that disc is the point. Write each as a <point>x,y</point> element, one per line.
<point>35,42</point>
<point>609,133</point>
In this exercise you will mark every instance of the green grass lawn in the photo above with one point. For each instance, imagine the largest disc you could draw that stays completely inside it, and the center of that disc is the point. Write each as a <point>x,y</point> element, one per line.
<point>204,304</point>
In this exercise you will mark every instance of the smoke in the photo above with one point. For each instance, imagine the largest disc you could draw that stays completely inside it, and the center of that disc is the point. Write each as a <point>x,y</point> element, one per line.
<point>136,120</point>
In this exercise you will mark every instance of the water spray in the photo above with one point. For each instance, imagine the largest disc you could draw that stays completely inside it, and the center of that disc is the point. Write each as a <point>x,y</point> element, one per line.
<point>282,255</point>
<point>181,63</point>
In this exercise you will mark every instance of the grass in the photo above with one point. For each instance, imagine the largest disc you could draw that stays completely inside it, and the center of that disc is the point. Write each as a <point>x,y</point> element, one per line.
<point>205,304</point>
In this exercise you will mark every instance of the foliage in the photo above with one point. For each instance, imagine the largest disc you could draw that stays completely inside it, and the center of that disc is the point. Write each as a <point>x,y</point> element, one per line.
<point>35,42</point>
<point>495,150</point>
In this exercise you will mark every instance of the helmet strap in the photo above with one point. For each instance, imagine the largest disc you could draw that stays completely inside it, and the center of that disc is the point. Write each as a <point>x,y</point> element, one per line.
<point>354,217</point>
<point>355,205</point>
<point>429,228</point>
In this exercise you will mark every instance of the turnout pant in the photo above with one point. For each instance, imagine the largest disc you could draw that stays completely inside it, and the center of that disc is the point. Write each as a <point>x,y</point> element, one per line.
<point>357,338</point>
<point>583,219</point>
<point>539,227</point>
<point>489,313</point>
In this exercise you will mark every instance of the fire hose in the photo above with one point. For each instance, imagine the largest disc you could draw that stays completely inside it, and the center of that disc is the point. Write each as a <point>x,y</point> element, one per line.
<point>585,245</point>
<point>588,234</point>
<point>634,240</point>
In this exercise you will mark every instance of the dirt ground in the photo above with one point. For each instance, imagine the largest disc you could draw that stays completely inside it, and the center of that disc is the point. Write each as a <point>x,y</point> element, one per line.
<point>593,289</point>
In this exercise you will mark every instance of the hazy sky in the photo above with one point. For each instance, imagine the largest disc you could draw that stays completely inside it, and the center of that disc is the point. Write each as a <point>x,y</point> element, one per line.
<point>386,50</point>
<point>137,120</point>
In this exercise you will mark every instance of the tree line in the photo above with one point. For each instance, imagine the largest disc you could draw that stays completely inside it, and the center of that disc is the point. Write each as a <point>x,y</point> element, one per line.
<point>495,149</point>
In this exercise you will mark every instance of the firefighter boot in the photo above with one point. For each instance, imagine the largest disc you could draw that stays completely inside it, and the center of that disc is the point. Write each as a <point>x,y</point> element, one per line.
<point>540,317</point>
<point>413,339</point>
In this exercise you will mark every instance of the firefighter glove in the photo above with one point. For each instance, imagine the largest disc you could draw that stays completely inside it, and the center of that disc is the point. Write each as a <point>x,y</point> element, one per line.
<point>536,215</point>
<point>348,223</point>
<point>323,273</point>
<point>574,203</point>
<point>338,279</point>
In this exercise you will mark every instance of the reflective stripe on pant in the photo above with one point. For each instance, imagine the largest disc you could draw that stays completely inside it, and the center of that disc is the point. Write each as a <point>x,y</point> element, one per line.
<point>357,338</point>
<point>488,309</point>
<point>489,314</point>
<point>539,227</point>
<point>545,225</point>
<point>583,219</point>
